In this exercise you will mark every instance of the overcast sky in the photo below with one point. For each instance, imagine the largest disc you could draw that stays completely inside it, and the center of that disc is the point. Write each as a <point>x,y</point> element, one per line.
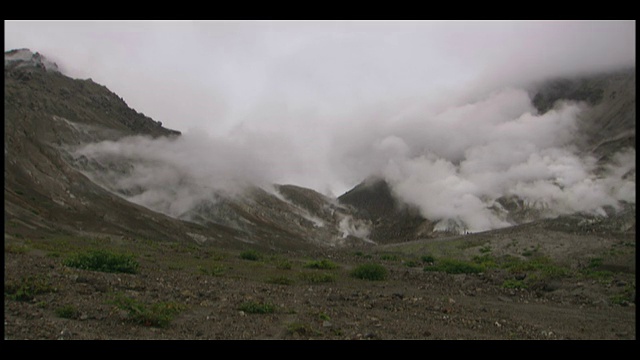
<point>324,104</point>
<point>216,74</point>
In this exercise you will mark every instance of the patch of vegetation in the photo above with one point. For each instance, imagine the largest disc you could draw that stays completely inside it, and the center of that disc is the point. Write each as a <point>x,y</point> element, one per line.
<point>155,315</point>
<point>411,263</point>
<point>280,280</point>
<point>15,248</point>
<point>253,307</point>
<point>67,312</point>
<point>373,272</point>
<point>317,278</point>
<point>27,288</point>
<point>531,252</point>
<point>212,270</point>
<point>486,261</point>
<point>361,254</point>
<point>514,284</point>
<point>321,264</point>
<point>543,265</point>
<point>389,257</point>
<point>427,259</point>
<point>625,297</point>
<point>453,266</point>
<point>301,329</point>
<point>250,255</point>
<point>485,249</point>
<point>592,270</point>
<point>104,261</point>
<point>284,264</point>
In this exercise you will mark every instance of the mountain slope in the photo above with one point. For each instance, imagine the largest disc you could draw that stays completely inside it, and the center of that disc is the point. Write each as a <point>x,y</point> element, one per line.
<point>51,188</point>
<point>45,114</point>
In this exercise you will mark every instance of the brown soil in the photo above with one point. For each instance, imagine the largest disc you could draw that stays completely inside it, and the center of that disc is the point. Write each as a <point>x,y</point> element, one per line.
<point>209,285</point>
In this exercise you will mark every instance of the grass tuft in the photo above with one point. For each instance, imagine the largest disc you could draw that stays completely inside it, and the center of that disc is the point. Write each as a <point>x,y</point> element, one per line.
<point>373,272</point>
<point>104,261</point>
<point>252,307</point>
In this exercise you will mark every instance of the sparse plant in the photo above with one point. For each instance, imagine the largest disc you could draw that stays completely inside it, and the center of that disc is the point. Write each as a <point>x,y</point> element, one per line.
<point>284,264</point>
<point>321,264</point>
<point>252,307</point>
<point>427,259</point>
<point>301,330</point>
<point>67,312</point>
<point>362,254</point>
<point>453,266</point>
<point>250,255</point>
<point>104,261</point>
<point>27,288</point>
<point>16,248</point>
<point>317,278</point>
<point>155,315</point>
<point>372,271</point>
<point>389,257</point>
<point>212,270</point>
<point>514,284</point>
<point>280,280</point>
<point>411,263</point>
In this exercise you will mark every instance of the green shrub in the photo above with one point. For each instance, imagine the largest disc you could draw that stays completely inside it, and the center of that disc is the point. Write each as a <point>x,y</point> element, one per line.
<point>321,264</point>
<point>155,315</point>
<point>27,288</point>
<point>104,261</point>
<point>252,307</point>
<point>67,312</point>
<point>452,266</point>
<point>250,255</point>
<point>372,272</point>
<point>427,259</point>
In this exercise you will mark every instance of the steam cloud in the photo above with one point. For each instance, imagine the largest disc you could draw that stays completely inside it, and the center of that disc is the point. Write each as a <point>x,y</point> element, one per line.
<point>439,109</point>
<point>453,165</point>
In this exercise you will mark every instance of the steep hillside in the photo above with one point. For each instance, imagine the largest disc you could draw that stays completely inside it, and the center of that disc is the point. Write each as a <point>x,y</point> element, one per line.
<point>51,187</point>
<point>47,113</point>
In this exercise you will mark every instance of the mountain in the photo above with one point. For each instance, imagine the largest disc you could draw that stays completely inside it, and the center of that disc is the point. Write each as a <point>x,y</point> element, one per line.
<point>53,189</point>
<point>50,189</point>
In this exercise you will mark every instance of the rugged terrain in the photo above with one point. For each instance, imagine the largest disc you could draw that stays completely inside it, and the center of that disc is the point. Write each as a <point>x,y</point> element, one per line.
<point>243,267</point>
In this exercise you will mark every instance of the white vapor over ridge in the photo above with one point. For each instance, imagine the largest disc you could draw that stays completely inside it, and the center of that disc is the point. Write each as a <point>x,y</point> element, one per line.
<point>441,110</point>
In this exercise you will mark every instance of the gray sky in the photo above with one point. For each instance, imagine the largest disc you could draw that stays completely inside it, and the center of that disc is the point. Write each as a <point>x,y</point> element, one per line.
<point>324,104</point>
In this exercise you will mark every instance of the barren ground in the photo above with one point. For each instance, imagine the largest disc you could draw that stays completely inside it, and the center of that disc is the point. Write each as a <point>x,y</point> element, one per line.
<point>208,286</point>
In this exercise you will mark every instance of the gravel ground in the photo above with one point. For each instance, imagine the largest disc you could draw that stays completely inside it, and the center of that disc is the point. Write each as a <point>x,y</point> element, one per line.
<point>210,289</point>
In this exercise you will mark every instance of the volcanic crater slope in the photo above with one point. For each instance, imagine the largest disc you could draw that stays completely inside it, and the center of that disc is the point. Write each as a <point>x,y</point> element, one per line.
<point>277,262</point>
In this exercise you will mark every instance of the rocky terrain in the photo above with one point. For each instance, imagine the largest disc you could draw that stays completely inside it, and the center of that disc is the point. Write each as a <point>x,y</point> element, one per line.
<point>278,263</point>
